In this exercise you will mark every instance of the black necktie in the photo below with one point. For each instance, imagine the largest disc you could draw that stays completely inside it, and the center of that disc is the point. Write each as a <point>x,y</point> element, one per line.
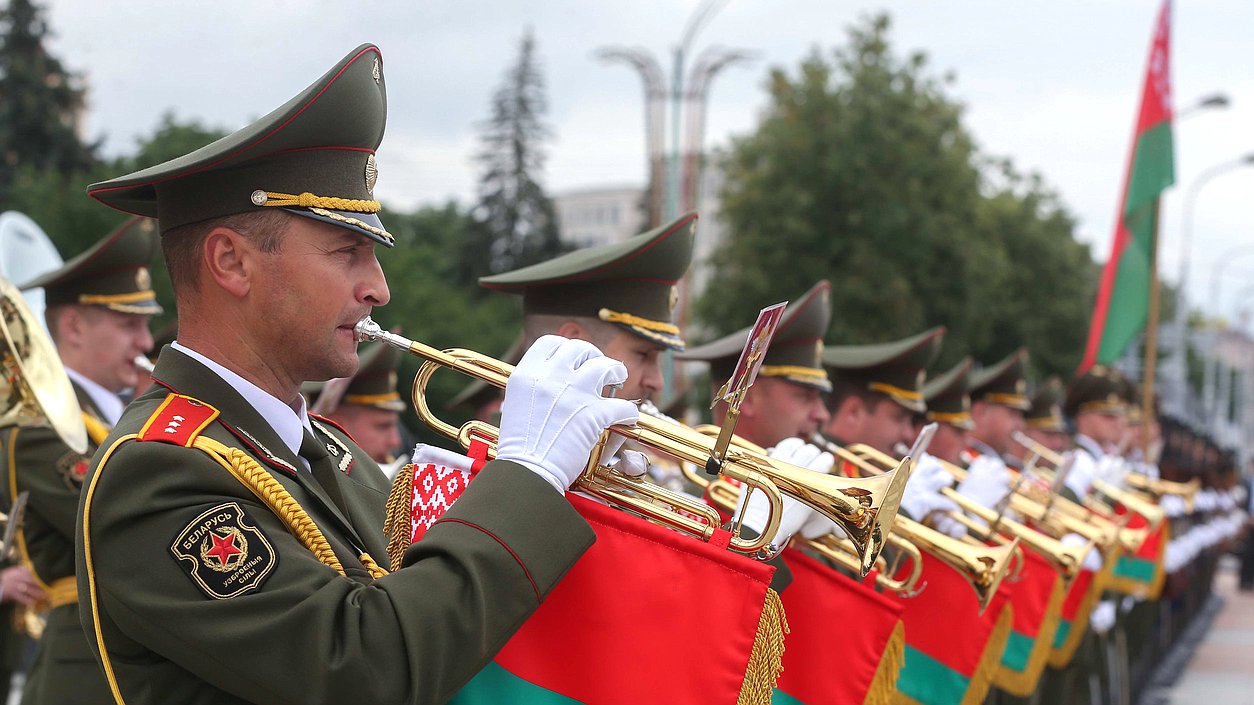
<point>323,467</point>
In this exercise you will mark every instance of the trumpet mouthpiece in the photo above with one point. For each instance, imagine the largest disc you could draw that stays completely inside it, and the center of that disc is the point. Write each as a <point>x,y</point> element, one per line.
<point>367,329</point>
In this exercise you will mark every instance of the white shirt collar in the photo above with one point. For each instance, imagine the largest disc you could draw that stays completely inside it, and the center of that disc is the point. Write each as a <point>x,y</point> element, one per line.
<point>289,425</point>
<point>1093,447</point>
<point>108,403</point>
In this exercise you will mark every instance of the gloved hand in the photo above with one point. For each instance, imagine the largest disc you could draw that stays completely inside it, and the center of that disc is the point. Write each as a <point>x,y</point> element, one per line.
<point>1092,559</point>
<point>795,514</point>
<point>818,526</point>
<point>1080,477</point>
<point>923,502</point>
<point>553,412</point>
<point>987,481</point>
<point>1112,469</point>
<point>631,463</point>
<point>1173,505</point>
<point>1103,616</point>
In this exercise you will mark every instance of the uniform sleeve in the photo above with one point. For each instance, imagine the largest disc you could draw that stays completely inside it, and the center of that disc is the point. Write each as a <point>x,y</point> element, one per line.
<point>306,634</point>
<point>52,473</point>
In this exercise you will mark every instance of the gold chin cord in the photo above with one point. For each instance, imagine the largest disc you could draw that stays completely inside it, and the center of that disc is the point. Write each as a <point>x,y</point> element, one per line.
<point>863,507</point>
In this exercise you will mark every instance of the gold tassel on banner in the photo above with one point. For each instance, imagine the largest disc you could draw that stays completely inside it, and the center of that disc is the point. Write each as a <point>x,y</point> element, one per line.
<point>1023,683</point>
<point>766,661</point>
<point>884,684</point>
<point>397,525</point>
<point>982,678</point>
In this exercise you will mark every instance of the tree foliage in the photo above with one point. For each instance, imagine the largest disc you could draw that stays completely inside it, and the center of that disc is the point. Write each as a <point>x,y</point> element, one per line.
<point>40,101</point>
<point>862,172</point>
<point>517,220</point>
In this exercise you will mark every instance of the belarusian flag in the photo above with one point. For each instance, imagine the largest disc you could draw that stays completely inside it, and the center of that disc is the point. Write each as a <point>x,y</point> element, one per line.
<point>1122,304</point>
<point>1037,596</point>
<point>1142,574</point>
<point>646,615</point>
<point>1082,596</point>
<point>869,654</point>
<point>952,650</point>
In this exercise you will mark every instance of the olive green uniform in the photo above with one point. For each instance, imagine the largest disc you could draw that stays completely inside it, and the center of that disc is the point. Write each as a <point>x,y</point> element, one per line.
<point>291,629</point>
<point>64,670</point>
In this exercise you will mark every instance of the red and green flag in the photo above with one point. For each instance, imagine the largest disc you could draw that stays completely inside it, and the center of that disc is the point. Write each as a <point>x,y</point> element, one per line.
<point>1141,574</point>
<point>952,650</point>
<point>646,615</point>
<point>826,666</point>
<point>1081,598</point>
<point>1122,305</point>
<point>1037,596</point>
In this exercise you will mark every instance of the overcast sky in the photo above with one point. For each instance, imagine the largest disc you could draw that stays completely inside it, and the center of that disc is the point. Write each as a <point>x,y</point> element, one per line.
<point>1054,86</point>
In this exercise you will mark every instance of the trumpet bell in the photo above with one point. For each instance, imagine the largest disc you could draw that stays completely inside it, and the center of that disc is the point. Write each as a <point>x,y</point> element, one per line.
<point>34,389</point>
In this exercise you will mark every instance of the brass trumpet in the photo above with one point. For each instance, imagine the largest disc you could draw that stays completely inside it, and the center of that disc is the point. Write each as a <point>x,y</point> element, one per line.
<point>1068,560</point>
<point>863,508</point>
<point>840,550</point>
<point>984,567</point>
<point>1152,513</point>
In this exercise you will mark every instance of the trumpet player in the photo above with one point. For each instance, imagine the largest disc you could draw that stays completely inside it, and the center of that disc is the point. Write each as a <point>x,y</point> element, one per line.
<point>229,542</point>
<point>998,401</point>
<point>99,304</point>
<point>784,407</point>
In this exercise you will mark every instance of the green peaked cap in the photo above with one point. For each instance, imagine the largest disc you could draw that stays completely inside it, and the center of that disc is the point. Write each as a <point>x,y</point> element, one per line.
<point>947,397</point>
<point>1004,382</point>
<point>1046,411</point>
<point>113,273</point>
<point>796,349</point>
<point>896,369</point>
<point>630,283</point>
<point>313,156</point>
<point>1100,389</point>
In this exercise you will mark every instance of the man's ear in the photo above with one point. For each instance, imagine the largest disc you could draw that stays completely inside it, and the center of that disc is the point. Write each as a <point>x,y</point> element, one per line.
<point>71,327</point>
<point>229,259</point>
<point>574,331</point>
<point>852,407</point>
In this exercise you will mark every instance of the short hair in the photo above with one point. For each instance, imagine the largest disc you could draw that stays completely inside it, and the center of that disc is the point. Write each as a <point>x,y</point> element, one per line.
<point>54,314</point>
<point>842,389</point>
<point>536,325</point>
<point>182,246</point>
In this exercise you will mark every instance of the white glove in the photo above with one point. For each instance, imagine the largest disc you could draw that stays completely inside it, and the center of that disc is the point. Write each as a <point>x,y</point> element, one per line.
<point>1092,559</point>
<point>795,514</point>
<point>1080,477</point>
<point>1111,469</point>
<point>987,481</point>
<point>631,463</point>
<point>553,412</point>
<point>1173,505</point>
<point>922,499</point>
<point>818,526</point>
<point>1103,616</point>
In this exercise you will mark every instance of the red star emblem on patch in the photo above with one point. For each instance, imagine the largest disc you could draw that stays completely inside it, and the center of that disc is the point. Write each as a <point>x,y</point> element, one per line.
<point>224,548</point>
<point>80,468</point>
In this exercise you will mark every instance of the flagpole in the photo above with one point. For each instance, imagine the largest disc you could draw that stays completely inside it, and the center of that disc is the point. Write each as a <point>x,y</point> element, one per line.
<point>1151,343</point>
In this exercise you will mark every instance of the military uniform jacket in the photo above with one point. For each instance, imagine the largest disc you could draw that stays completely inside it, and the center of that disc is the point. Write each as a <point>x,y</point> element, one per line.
<point>193,591</point>
<point>39,462</point>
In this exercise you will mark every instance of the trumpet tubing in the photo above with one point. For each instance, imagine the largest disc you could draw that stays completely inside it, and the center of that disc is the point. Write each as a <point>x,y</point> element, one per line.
<point>863,508</point>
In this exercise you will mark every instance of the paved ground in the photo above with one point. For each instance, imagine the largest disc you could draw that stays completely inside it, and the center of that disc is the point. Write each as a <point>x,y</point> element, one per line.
<point>1222,669</point>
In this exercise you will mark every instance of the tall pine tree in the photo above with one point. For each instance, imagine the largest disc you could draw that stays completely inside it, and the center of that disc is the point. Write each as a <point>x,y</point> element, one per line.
<point>40,102</point>
<point>517,223</point>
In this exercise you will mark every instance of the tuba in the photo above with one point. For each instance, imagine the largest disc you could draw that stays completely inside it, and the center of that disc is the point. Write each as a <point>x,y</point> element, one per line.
<point>864,508</point>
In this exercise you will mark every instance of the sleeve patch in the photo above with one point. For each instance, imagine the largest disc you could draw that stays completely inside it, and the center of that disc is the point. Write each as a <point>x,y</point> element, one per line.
<point>224,552</point>
<point>179,420</point>
<point>73,468</point>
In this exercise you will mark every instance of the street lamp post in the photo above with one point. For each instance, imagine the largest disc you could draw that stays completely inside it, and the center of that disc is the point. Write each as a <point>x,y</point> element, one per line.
<point>1180,323</point>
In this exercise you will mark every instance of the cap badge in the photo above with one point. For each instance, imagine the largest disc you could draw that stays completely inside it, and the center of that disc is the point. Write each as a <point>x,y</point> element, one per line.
<point>375,73</point>
<point>1021,386</point>
<point>674,299</point>
<point>919,379</point>
<point>818,350</point>
<point>372,173</point>
<point>143,280</point>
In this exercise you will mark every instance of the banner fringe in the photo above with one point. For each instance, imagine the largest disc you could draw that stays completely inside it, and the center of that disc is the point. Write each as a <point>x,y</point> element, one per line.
<point>766,660</point>
<point>1023,683</point>
<point>884,684</point>
<point>397,524</point>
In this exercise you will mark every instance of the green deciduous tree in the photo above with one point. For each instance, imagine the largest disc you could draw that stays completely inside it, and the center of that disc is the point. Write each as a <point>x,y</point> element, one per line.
<point>41,102</point>
<point>518,224</point>
<point>862,172</point>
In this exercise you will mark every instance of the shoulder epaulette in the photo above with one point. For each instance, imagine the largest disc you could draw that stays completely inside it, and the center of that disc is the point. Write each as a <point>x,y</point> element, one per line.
<point>329,422</point>
<point>178,420</point>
